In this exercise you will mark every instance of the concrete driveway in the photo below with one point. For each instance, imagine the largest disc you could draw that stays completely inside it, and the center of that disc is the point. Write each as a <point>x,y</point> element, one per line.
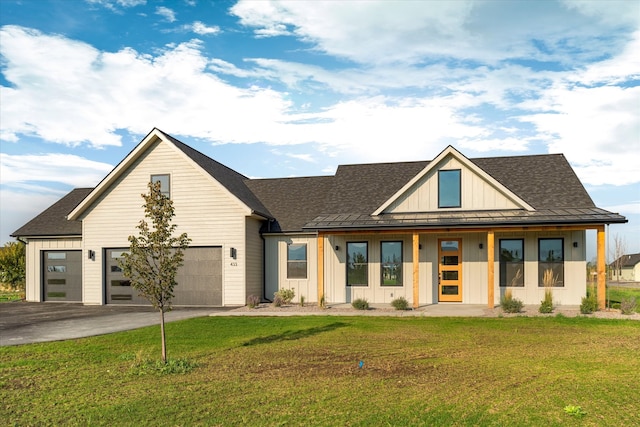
<point>28,322</point>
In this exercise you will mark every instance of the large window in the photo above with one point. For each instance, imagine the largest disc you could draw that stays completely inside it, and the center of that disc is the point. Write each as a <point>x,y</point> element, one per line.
<point>511,262</point>
<point>551,262</point>
<point>449,188</point>
<point>391,263</point>
<point>357,264</point>
<point>164,183</point>
<point>297,261</point>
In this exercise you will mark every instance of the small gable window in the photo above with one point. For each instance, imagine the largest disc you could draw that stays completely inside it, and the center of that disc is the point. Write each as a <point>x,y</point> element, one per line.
<point>164,183</point>
<point>297,261</point>
<point>449,189</point>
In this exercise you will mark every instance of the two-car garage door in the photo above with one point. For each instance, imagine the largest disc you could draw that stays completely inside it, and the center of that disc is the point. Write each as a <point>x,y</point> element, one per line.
<point>199,279</point>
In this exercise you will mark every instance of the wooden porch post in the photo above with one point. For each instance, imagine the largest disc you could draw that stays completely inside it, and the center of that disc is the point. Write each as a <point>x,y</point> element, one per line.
<point>601,268</point>
<point>320,269</point>
<point>490,269</point>
<point>416,268</point>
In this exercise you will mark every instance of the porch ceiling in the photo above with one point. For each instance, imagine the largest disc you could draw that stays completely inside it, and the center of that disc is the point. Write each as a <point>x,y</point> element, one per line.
<point>516,217</point>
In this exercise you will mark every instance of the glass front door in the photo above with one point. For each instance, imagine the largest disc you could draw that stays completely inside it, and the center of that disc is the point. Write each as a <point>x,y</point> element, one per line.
<point>450,270</point>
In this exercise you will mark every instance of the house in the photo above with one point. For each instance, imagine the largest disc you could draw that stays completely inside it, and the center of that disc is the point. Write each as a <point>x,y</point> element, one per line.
<point>451,230</point>
<point>626,268</point>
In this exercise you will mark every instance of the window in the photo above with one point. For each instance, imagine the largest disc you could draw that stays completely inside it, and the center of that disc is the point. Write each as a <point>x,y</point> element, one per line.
<point>164,183</point>
<point>357,264</point>
<point>551,262</point>
<point>449,188</point>
<point>391,263</point>
<point>297,261</point>
<point>511,262</point>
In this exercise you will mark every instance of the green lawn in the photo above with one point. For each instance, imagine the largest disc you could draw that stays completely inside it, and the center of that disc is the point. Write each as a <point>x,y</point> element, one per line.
<point>305,371</point>
<point>7,296</point>
<point>616,294</point>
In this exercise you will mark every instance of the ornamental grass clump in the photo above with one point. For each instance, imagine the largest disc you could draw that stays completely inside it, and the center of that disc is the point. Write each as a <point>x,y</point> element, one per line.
<point>628,305</point>
<point>509,304</point>
<point>549,281</point>
<point>589,304</point>
<point>253,301</point>
<point>360,304</point>
<point>400,303</point>
<point>286,295</point>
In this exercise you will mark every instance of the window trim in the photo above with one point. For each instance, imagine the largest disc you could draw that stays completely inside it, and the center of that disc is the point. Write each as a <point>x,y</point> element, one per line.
<point>400,263</point>
<point>502,279</point>
<point>292,261</point>
<point>154,178</point>
<point>560,263</point>
<point>366,270</point>
<point>445,206</point>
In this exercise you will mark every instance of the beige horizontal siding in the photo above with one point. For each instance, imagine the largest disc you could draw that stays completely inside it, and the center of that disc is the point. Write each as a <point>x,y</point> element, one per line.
<point>204,209</point>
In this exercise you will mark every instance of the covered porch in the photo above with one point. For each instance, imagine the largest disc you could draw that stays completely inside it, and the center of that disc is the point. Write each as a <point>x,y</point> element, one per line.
<point>432,274</point>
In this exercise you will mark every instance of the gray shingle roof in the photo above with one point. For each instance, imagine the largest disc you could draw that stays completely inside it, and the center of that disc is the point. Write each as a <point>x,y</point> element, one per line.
<point>629,260</point>
<point>230,179</point>
<point>292,201</point>
<point>53,221</point>
<point>347,199</point>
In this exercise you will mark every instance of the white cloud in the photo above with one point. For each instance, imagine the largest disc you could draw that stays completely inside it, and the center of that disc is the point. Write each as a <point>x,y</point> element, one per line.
<point>375,32</point>
<point>63,168</point>
<point>168,14</point>
<point>202,29</point>
<point>632,208</point>
<point>111,4</point>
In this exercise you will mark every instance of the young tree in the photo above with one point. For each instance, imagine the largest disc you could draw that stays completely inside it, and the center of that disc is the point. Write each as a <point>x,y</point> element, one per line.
<point>12,265</point>
<point>155,255</point>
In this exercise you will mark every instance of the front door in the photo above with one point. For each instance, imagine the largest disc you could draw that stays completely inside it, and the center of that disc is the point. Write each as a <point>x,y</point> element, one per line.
<point>450,270</point>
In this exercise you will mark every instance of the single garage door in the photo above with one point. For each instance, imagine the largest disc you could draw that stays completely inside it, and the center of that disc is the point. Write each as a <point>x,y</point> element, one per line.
<point>62,275</point>
<point>199,279</point>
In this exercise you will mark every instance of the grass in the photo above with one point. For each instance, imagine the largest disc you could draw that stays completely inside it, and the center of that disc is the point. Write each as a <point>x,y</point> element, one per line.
<point>321,370</point>
<point>617,293</point>
<point>8,295</point>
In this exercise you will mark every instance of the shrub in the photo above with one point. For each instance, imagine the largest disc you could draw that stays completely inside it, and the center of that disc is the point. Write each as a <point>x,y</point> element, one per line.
<point>253,301</point>
<point>510,304</point>
<point>589,304</point>
<point>400,303</point>
<point>277,300</point>
<point>323,302</point>
<point>546,305</point>
<point>301,300</point>
<point>360,304</point>
<point>628,305</point>
<point>286,295</point>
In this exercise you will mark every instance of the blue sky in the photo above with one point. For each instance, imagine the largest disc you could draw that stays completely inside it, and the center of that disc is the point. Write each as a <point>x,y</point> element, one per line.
<point>277,89</point>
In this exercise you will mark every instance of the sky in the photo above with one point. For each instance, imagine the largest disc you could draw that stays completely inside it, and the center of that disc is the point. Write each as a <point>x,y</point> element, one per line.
<point>296,88</point>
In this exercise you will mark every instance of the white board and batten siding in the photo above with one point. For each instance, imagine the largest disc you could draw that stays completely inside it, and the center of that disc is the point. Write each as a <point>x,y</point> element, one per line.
<point>276,267</point>
<point>34,273</point>
<point>575,268</point>
<point>476,192</point>
<point>204,209</point>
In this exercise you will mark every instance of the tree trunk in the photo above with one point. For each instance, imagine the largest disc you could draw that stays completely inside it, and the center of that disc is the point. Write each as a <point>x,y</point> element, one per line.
<point>164,342</point>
